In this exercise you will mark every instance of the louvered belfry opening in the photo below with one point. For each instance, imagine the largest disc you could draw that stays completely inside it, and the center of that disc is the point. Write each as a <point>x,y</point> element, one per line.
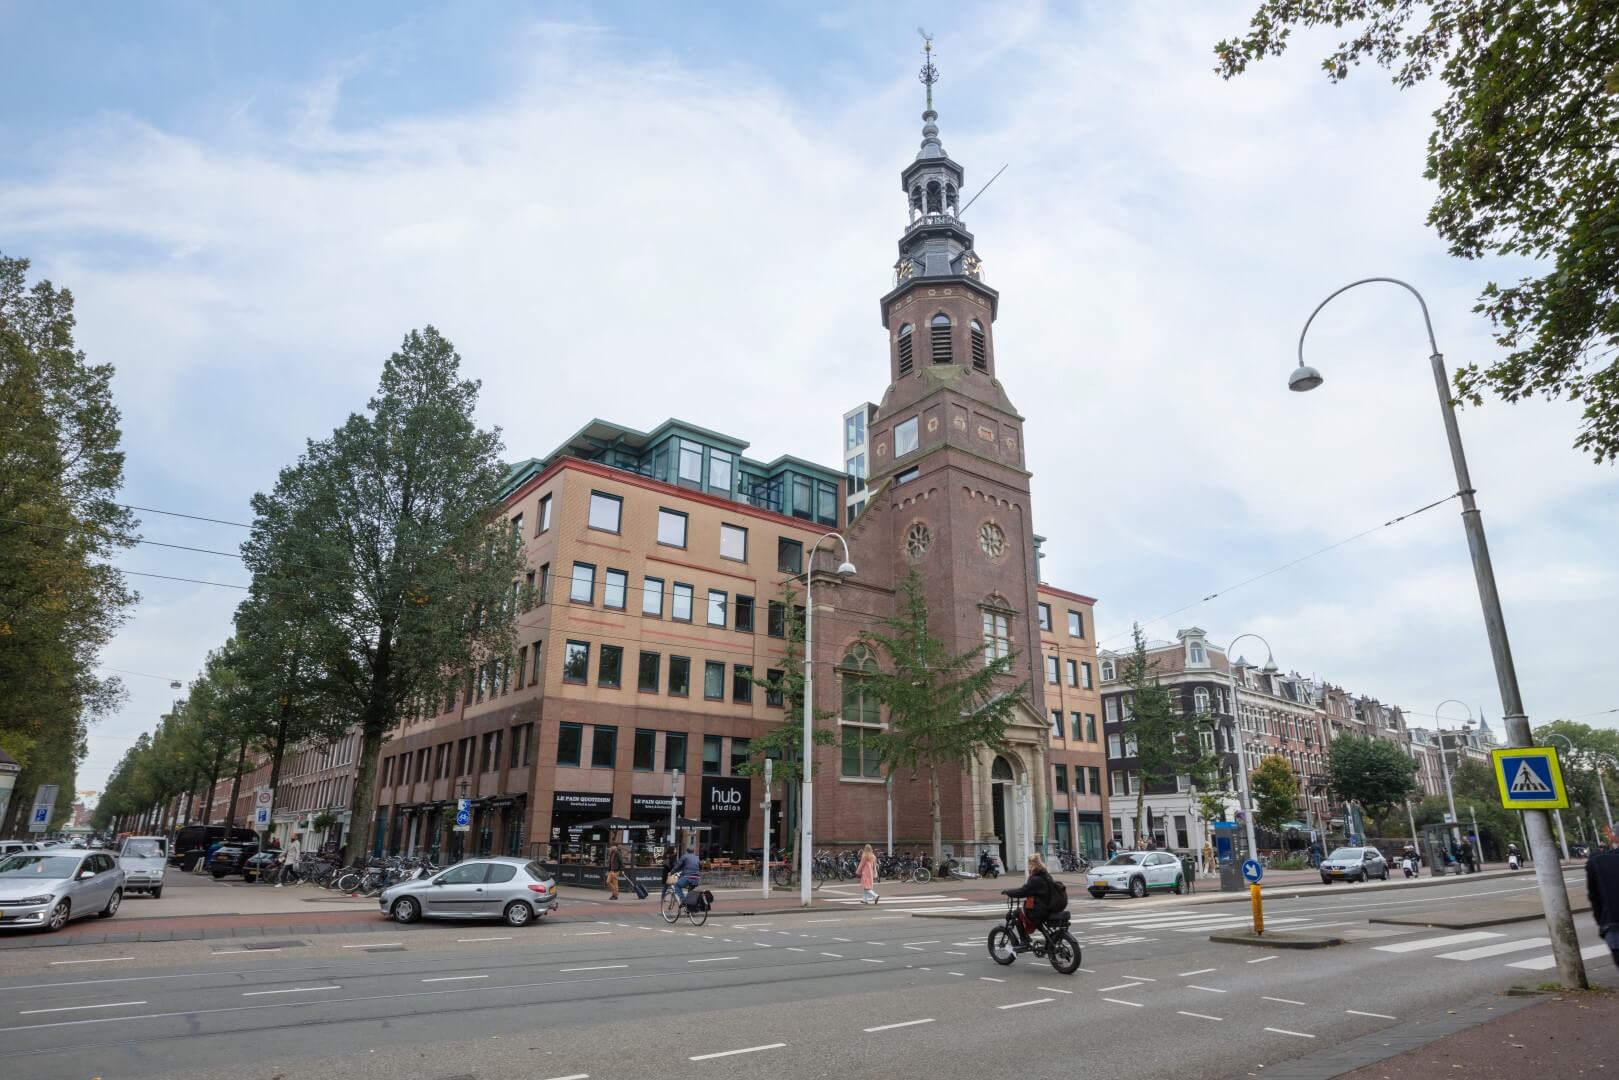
<point>905,338</point>
<point>979,362</point>
<point>941,338</point>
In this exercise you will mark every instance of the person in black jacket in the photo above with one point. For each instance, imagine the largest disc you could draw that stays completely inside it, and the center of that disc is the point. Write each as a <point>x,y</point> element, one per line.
<point>1036,895</point>
<point>1602,884</point>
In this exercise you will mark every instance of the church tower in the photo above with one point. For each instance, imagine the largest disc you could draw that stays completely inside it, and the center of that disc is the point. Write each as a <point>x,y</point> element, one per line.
<point>947,472</point>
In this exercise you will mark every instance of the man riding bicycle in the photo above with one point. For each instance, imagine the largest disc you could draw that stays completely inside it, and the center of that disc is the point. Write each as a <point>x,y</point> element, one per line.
<point>686,872</point>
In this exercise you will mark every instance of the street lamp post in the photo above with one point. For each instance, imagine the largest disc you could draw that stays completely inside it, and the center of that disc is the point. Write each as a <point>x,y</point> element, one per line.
<point>1444,762</point>
<point>1562,834</point>
<point>1548,871</point>
<point>806,805</point>
<point>1247,799</point>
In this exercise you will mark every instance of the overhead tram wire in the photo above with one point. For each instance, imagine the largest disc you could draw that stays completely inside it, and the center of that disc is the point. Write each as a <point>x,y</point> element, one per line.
<point>176,513</point>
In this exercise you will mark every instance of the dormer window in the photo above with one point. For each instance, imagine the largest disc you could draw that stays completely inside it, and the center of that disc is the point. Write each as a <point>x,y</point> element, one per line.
<point>905,340</point>
<point>1195,654</point>
<point>941,338</point>
<point>980,363</point>
<point>1107,671</point>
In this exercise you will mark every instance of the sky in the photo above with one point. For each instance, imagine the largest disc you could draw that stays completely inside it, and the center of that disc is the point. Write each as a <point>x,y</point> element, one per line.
<point>637,211</point>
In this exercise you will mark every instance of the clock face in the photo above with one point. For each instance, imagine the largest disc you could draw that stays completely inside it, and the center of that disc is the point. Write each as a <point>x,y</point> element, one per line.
<point>917,539</point>
<point>991,539</point>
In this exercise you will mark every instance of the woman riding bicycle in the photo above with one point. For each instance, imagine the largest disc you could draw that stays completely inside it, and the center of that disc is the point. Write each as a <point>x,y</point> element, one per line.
<point>1036,896</point>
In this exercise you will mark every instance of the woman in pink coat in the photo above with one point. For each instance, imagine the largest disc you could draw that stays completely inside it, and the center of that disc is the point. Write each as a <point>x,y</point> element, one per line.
<point>868,874</point>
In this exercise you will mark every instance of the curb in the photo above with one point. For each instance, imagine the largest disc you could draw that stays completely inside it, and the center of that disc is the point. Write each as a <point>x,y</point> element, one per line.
<point>1278,940</point>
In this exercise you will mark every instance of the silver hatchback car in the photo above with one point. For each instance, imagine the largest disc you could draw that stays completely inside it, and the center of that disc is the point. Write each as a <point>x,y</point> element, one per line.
<point>48,889</point>
<point>516,890</point>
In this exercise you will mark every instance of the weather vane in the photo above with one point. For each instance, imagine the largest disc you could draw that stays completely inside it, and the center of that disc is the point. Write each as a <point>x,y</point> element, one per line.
<point>929,74</point>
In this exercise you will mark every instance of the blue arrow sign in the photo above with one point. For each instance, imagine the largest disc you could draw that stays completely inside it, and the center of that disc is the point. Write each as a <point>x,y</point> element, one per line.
<point>1252,871</point>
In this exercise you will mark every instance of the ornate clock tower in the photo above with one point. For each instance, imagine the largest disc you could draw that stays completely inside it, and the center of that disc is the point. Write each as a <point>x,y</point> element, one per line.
<point>950,490</point>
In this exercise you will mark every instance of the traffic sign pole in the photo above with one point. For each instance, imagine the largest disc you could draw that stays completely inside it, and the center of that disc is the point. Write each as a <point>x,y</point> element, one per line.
<point>1259,909</point>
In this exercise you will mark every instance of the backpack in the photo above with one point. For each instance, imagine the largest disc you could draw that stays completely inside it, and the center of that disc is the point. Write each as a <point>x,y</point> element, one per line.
<point>1059,896</point>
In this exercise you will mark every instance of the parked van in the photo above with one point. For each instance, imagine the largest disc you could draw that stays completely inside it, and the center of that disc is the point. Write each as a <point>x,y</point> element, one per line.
<point>143,859</point>
<point>193,841</point>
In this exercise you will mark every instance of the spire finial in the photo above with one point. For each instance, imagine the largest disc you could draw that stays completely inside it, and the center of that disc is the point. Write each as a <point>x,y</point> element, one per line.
<point>929,74</point>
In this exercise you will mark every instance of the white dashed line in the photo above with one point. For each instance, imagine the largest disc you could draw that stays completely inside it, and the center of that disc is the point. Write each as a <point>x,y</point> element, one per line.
<point>571,1076</point>
<point>374,945</point>
<point>1206,989</point>
<point>1261,960</point>
<point>103,960</point>
<point>1052,989</point>
<point>833,955</point>
<point>596,967</point>
<point>935,941</point>
<point>293,990</point>
<point>1375,1016</point>
<point>713,959</point>
<point>1199,1016</point>
<point>76,1008</point>
<point>1284,1031</point>
<point>1284,1001</point>
<point>455,978</point>
<point>1117,1001</point>
<point>464,940</point>
<point>1199,971</point>
<point>733,1053</point>
<point>1020,1004</point>
<point>988,978</point>
<point>869,960</point>
<point>1138,978</point>
<point>902,1024</point>
<point>1120,986</point>
<point>794,948</point>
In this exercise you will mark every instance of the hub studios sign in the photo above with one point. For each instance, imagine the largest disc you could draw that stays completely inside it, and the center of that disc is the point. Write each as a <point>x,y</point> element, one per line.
<point>725,797</point>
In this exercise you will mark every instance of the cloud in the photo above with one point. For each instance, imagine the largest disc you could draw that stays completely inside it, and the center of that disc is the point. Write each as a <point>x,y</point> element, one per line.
<point>611,233</point>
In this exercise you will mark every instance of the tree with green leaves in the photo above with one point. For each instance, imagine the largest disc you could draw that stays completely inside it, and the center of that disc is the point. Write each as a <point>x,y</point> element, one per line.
<point>1275,787</point>
<point>385,546</point>
<point>1164,739</point>
<point>1375,773</point>
<point>783,743</point>
<point>1477,798</point>
<point>60,599</point>
<point>944,709</point>
<point>1525,152</point>
<point>1593,749</point>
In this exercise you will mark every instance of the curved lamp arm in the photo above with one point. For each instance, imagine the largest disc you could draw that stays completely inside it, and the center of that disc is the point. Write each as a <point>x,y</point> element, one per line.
<point>1433,344</point>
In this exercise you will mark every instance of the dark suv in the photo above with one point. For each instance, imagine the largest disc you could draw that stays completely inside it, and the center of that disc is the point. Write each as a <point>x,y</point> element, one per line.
<point>233,859</point>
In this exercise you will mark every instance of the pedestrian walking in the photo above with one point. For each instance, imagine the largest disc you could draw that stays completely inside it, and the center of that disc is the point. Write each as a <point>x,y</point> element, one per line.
<point>615,866</point>
<point>868,875</point>
<point>289,857</point>
<point>1602,884</point>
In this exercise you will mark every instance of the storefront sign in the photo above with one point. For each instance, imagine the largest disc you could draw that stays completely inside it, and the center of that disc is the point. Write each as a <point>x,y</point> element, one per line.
<point>582,802</point>
<point>653,807</point>
<point>725,797</point>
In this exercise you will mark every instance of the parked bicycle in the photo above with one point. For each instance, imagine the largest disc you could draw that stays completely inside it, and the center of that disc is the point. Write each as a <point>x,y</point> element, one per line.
<point>1073,862</point>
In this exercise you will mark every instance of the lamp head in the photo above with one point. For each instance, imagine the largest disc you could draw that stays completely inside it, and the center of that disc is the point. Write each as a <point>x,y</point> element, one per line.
<point>1304,378</point>
<point>1270,667</point>
<point>845,569</point>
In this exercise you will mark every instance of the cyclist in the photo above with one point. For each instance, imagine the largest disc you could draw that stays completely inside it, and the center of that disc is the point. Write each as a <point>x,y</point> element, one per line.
<point>1036,895</point>
<point>686,871</point>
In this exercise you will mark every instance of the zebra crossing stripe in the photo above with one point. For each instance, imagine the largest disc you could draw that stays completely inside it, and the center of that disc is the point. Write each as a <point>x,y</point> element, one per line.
<point>1497,949</point>
<point>1436,943</point>
<point>1546,963</point>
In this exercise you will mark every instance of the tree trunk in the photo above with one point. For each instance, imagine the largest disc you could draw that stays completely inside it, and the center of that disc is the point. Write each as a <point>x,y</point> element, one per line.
<point>938,817</point>
<point>213,783</point>
<point>191,793</point>
<point>275,767</point>
<point>235,788</point>
<point>375,721</point>
<point>1141,799</point>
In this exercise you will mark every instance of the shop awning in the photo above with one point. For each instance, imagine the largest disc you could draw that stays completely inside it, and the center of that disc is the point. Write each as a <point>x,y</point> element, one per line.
<point>614,823</point>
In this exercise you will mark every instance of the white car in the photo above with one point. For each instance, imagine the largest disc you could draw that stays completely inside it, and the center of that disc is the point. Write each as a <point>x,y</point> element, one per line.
<point>143,860</point>
<point>1136,873</point>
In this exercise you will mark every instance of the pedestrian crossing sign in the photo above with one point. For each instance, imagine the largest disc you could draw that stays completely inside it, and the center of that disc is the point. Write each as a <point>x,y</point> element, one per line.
<point>1530,778</point>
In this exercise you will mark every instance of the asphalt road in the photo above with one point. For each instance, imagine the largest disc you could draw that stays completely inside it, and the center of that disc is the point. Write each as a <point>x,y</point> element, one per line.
<point>849,990</point>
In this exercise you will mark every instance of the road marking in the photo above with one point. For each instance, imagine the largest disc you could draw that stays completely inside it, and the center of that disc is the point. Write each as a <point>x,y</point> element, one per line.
<point>103,960</point>
<point>843,939</point>
<point>877,943</point>
<point>1020,1004</point>
<point>988,978</point>
<point>763,945</point>
<point>464,940</point>
<point>1262,959</point>
<point>373,945</point>
<point>1209,989</point>
<point>1200,1016</point>
<point>76,1008</point>
<point>869,960</point>
<point>891,1027</point>
<point>713,959</point>
<point>1545,963</point>
<point>596,933</point>
<point>1378,1016</point>
<point>1054,990</point>
<point>809,921</point>
<point>292,990</point>
<point>1121,986</point>
<point>952,952</point>
<point>1284,1001</point>
<point>596,967</point>
<point>1121,1001</point>
<point>733,1053</point>
<point>1199,971</point>
<point>1497,949</point>
<point>243,952</point>
<point>1436,943</point>
<point>1138,978</point>
<point>959,974</point>
<point>794,948</point>
<point>914,948</point>
<point>935,941</point>
<point>1295,1034</point>
<point>572,1076</point>
<point>833,955</point>
<point>455,978</point>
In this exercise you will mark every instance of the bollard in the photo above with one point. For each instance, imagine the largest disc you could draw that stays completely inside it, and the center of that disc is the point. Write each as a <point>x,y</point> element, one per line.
<point>1259,909</point>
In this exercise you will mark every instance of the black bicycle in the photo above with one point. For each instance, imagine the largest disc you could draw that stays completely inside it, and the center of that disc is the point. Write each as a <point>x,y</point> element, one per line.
<point>1053,942</point>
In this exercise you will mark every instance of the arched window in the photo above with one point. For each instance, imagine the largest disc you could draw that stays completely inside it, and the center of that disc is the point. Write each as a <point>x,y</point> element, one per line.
<point>1200,700</point>
<point>941,338</point>
<point>1107,671</point>
<point>905,340</point>
<point>935,197</point>
<point>916,200</point>
<point>861,727</point>
<point>979,361</point>
<point>950,197</point>
<point>1001,770</point>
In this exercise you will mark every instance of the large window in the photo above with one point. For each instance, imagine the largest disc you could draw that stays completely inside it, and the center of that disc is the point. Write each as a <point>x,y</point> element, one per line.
<point>691,463</point>
<point>652,597</point>
<point>789,556</point>
<point>716,607</point>
<point>713,754</point>
<point>719,471</point>
<point>671,528</point>
<point>734,543</point>
<point>744,613</point>
<point>1051,670</point>
<point>610,669</point>
<point>1062,778</point>
<point>605,511</point>
<point>583,589</point>
<point>614,585</point>
<point>741,683</point>
<point>648,673</point>
<point>1085,673</point>
<point>679,676</point>
<point>576,662</point>
<point>739,754</point>
<point>646,748</point>
<point>680,609</point>
<point>776,619</point>
<point>714,680</point>
<point>603,747</point>
<point>803,497</point>
<point>854,430</point>
<point>861,717</point>
<point>1076,624</point>
<point>1045,616</point>
<point>674,751</point>
<point>542,520</point>
<point>997,635</point>
<point>905,437</point>
<point>1073,672</point>
<point>906,338</point>
<point>570,741</point>
<point>773,693</point>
